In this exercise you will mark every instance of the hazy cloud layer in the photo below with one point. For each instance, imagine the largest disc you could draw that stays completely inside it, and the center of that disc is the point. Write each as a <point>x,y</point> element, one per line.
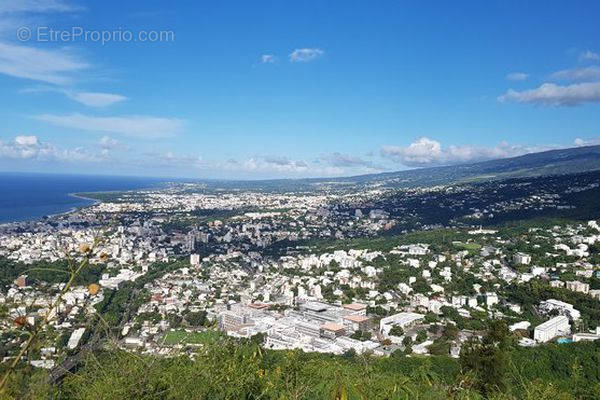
<point>90,99</point>
<point>550,94</point>
<point>425,152</point>
<point>589,55</point>
<point>55,66</point>
<point>96,99</point>
<point>579,142</point>
<point>107,144</point>
<point>342,160</point>
<point>274,164</point>
<point>49,66</point>
<point>171,160</point>
<point>578,74</point>
<point>143,127</point>
<point>517,76</point>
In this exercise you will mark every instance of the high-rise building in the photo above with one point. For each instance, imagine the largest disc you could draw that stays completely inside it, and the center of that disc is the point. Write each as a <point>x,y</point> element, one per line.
<point>195,259</point>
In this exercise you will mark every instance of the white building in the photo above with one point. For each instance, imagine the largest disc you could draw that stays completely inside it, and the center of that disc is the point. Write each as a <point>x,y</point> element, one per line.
<point>403,319</point>
<point>562,307</point>
<point>578,286</point>
<point>195,259</point>
<point>552,328</point>
<point>75,338</point>
<point>523,325</point>
<point>522,259</point>
<point>491,299</point>
<point>578,337</point>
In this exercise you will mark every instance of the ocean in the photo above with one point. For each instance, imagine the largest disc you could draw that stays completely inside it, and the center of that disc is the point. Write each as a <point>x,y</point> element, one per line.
<point>26,196</point>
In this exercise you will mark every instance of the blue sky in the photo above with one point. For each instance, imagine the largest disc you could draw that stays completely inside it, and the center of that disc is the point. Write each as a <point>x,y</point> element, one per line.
<point>263,89</point>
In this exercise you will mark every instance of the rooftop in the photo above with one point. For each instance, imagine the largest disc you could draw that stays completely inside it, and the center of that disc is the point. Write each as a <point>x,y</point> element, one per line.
<point>330,326</point>
<point>355,306</point>
<point>357,318</point>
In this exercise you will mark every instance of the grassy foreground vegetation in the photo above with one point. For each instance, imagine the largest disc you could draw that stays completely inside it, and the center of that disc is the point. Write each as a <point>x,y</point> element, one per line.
<point>492,368</point>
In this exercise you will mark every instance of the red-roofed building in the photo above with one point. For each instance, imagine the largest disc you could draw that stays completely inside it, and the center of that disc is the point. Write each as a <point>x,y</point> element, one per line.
<point>332,330</point>
<point>259,306</point>
<point>356,308</point>
<point>157,298</point>
<point>355,322</point>
<point>22,281</point>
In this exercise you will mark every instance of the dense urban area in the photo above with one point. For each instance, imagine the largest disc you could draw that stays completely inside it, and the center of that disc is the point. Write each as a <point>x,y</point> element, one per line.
<point>466,290</point>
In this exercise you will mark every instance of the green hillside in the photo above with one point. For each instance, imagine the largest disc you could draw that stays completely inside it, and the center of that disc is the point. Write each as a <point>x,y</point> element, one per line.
<point>493,368</point>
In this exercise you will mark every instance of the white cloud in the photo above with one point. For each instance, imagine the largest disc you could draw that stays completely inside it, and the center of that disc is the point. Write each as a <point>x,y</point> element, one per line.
<point>24,140</point>
<point>108,143</point>
<point>90,99</point>
<point>252,167</point>
<point>425,152</point>
<point>55,66</point>
<point>280,166</point>
<point>578,74</point>
<point>96,99</point>
<point>550,94</point>
<point>29,147</point>
<point>305,55</point>
<point>255,167</point>
<point>589,55</point>
<point>9,23</point>
<point>268,59</point>
<point>50,66</point>
<point>21,147</point>
<point>145,127</point>
<point>517,76</point>
<point>579,142</point>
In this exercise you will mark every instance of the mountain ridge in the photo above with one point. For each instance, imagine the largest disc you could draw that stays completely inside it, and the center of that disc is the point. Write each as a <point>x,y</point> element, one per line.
<point>550,162</point>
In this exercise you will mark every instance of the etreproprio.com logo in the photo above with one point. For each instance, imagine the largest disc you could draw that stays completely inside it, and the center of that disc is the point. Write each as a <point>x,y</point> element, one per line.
<point>80,34</point>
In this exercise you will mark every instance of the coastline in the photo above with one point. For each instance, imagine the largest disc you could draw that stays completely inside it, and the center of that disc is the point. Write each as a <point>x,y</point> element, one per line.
<point>79,196</point>
<point>57,214</point>
<point>35,198</point>
<point>76,208</point>
<point>70,211</point>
